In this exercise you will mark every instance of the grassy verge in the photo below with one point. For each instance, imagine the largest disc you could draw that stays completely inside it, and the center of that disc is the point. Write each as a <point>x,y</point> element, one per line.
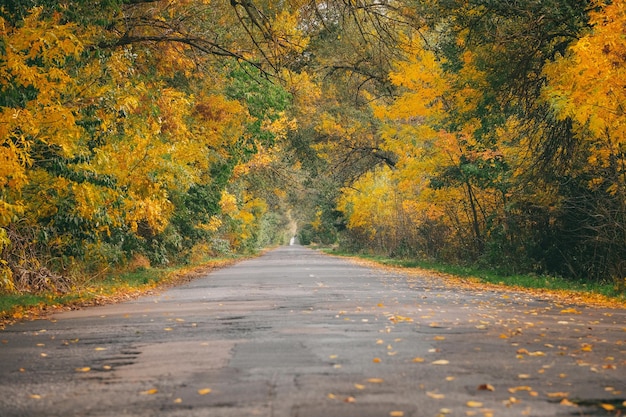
<point>110,288</point>
<point>592,291</point>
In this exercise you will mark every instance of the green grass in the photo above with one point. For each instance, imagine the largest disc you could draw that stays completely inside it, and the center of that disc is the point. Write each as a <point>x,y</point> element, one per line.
<point>529,281</point>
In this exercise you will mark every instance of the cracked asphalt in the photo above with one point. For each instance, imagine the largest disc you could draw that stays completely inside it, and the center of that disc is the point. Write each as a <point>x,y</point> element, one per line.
<point>298,333</point>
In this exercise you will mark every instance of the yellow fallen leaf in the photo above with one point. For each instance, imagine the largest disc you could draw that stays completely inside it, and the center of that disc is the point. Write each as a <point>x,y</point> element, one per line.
<point>106,367</point>
<point>439,338</point>
<point>558,394</point>
<point>43,355</point>
<point>474,404</point>
<point>168,329</point>
<point>567,402</point>
<point>35,396</point>
<point>375,380</point>
<point>435,395</point>
<point>178,400</point>
<point>396,413</point>
<point>376,360</point>
<point>149,392</point>
<point>204,391</point>
<point>418,360</point>
<point>332,396</point>
<point>349,400</point>
<point>359,386</point>
<point>523,376</point>
<point>570,311</point>
<point>100,348</point>
<point>513,390</point>
<point>84,369</point>
<point>586,347</point>
<point>441,362</point>
<point>450,378</point>
<point>486,387</point>
<point>607,407</point>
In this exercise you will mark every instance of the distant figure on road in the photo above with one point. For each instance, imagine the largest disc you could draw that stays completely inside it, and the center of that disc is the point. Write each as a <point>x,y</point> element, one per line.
<point>292,241</point>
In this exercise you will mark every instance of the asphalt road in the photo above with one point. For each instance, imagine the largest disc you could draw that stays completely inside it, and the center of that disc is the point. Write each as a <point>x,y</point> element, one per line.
<point>298,333</point>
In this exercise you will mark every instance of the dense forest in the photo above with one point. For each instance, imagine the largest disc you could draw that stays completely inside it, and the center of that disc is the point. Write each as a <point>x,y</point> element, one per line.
<point>489,132</point>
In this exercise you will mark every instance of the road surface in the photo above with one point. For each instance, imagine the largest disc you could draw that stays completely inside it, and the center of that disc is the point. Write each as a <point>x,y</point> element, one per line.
<point>298,333</point>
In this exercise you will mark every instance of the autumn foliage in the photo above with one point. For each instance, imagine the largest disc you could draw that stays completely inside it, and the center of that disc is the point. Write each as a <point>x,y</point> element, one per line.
<point>476,132</point>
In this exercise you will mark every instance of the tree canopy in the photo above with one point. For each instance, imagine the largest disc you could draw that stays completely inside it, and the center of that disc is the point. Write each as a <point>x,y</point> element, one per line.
<point>477,131</point>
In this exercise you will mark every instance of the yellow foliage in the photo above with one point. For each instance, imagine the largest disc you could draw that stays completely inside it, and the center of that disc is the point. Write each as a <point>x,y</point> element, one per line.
<point>588,85</point>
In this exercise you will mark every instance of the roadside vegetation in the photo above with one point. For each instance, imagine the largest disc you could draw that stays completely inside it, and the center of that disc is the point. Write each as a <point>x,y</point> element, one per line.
<point>110,288</point>
<point>487,133</point>
<point>568,290</point>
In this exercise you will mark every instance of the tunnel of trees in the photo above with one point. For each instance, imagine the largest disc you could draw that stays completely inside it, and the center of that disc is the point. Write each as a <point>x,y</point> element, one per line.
<point>488,132</point>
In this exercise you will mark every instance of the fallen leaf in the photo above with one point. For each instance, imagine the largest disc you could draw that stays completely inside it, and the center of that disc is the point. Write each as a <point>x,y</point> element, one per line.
<point>349,400</point>
<point>523,376</point>
<point>375,380</point>
<point>439,338</point>
<point>513,390</point>
<point>100,348</point>
<point>570,311</point>
<point>435,395</point>
<point>474,404</point>
<point>486,387</point>
<point>204,391</point>
<point>178,400</point>
<point>567,402</point>
<point>359,386</point>
<point>558,394</point>
<point>376,360</point>
<point>607,407</point>
<point>418,360</point>
<point>441,362</point>
<point>84,369</point>
<point>35,396</point>
<point>396,413</point>
<point>149,392</point>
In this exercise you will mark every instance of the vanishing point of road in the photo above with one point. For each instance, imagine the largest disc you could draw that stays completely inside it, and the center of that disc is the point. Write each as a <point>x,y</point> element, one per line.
<point>298,333</point>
